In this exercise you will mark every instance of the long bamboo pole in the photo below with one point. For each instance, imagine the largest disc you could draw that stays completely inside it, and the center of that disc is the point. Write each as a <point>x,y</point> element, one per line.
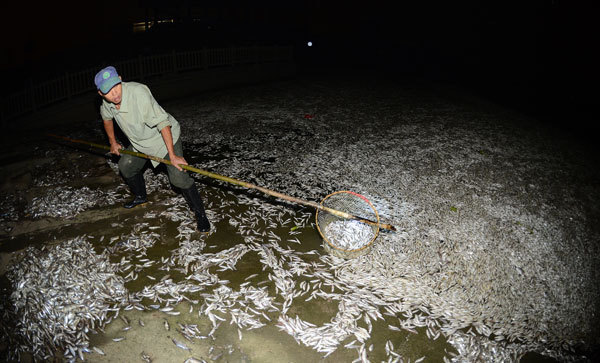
<point>236,182</point>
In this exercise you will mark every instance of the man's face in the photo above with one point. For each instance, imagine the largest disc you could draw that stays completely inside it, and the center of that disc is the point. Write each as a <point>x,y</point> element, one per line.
<point>114,95</point>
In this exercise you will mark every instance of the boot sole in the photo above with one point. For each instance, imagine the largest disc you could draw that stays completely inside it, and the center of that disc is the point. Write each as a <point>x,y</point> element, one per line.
<point>137,205</point>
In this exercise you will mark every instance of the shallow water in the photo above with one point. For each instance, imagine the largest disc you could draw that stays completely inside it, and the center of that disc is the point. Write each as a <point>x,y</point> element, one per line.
<point>267,344</point>
<point>263,344</point>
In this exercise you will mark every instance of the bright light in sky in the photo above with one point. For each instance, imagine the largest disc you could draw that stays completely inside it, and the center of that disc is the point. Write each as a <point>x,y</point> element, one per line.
<point>309,44</point>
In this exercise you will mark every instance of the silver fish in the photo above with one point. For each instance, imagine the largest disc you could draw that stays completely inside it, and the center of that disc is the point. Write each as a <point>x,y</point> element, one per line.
<point>180,344</point>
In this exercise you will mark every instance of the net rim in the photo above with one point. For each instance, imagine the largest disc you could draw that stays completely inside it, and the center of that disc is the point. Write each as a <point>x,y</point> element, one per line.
<point>370,205</point>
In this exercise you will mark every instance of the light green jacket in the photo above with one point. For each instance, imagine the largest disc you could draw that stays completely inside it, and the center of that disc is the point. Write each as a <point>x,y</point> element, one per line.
<point>141,118</point>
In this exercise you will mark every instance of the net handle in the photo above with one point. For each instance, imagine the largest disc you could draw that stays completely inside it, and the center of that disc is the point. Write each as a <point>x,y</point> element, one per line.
<point>236,182</point>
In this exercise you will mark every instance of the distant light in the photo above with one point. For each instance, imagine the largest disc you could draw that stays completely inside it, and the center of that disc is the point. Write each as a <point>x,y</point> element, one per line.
<point>309,44</point>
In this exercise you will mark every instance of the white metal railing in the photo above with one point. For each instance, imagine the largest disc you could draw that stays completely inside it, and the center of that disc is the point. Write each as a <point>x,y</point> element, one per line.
<point>39,95</point>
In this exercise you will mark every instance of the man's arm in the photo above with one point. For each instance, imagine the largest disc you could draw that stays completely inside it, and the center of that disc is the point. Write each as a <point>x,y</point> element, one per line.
<point>168,138</point>
<point>110,132</point>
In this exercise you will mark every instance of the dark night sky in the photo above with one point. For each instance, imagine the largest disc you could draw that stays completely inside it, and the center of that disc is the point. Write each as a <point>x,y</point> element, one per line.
<point>43,30</point>
<point>542,49</point>
<point>530,27</point>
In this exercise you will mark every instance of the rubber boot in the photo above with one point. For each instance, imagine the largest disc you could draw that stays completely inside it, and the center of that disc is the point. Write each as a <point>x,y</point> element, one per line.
<point>193,199</point>
<point>138,188</point>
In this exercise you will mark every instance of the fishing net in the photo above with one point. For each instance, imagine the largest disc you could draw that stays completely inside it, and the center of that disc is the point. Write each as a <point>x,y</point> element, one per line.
<point>348,237</point>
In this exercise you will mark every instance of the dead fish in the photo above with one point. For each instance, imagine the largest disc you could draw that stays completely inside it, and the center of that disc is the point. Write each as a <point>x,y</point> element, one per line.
<point>194,360</point>
<point>125,320</point>
<point>180,344</point>
<point>216,357</point>
<point>98,350</point>
<point>251,276</point>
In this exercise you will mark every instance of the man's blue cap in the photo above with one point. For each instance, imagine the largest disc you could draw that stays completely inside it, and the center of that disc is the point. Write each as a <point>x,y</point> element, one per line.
<point>106,79</point>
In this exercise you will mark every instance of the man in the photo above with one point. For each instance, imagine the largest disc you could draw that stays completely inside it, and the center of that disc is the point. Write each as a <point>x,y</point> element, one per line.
<point>150,130</point>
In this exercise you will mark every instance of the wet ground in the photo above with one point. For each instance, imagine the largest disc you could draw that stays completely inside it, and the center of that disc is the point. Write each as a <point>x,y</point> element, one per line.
<point>487,205</point>
<point>146,332</point>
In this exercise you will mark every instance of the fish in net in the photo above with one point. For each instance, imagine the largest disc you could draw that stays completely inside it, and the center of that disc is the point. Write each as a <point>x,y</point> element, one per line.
<point>347,237</point>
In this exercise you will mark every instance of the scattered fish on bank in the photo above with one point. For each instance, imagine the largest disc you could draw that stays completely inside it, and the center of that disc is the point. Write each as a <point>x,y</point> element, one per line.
<point>417,280</point>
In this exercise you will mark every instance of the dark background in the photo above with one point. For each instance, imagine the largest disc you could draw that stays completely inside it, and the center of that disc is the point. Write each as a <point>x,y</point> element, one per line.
<point>537,56</point>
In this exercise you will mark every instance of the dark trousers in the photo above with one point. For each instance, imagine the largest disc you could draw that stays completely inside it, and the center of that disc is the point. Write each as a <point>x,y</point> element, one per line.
<point>130,166</point>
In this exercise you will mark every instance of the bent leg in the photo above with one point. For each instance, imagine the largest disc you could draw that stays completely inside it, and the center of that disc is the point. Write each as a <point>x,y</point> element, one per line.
<point>183,181</point>
<point>131,168</point>
<point>179,179</point>
<point>130,165</point>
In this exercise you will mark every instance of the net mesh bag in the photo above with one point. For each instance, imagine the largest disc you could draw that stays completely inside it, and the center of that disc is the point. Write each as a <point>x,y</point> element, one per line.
<point>347,237</point>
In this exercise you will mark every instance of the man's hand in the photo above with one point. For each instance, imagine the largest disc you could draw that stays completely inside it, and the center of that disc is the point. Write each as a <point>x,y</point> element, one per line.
<point>115,147</point>
<point>177,160</point>
<point>110,132</point>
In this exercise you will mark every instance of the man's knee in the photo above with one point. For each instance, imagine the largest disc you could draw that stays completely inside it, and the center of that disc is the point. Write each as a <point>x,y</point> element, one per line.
<point>183,184</point>
<point>128,167</point>
<point>180,179</point>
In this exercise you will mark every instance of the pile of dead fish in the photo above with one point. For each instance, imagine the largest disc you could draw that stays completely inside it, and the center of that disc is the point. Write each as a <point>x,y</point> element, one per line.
<point>65,201</point>
<point>7,206</point>
<point>60,295</point>
<point>483,258</point>
<point>482,241</point>
<point>348,234</point>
